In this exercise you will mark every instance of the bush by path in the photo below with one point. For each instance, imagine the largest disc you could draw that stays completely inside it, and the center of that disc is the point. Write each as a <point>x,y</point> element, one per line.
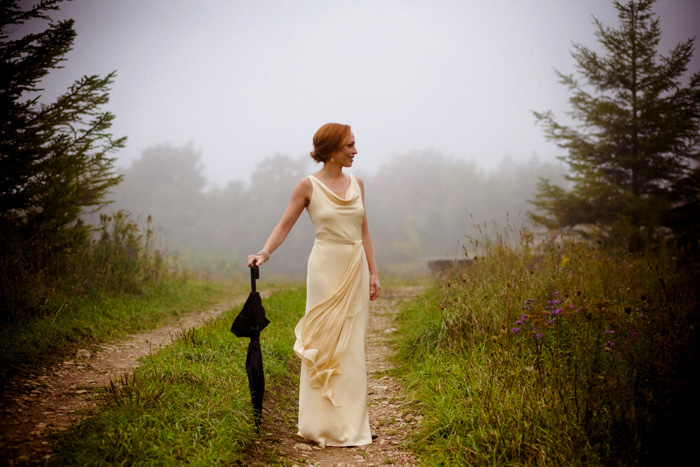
<point>118,283</point>
<point>568,355</point>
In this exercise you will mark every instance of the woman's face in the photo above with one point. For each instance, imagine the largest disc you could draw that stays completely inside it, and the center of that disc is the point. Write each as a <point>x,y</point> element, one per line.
<point>345,155</point>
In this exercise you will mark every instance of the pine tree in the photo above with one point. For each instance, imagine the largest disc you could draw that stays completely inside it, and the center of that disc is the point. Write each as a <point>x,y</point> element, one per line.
<point>54,158</point>
<point>634,145</point>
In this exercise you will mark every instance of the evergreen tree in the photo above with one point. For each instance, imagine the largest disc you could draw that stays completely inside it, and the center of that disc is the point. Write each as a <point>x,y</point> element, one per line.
<point>633,146</point>
<point>54,158</point>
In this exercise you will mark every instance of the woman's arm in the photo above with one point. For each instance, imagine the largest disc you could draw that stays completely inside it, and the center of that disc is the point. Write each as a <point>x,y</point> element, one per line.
<point>300,199</point>
<point>369,252</point>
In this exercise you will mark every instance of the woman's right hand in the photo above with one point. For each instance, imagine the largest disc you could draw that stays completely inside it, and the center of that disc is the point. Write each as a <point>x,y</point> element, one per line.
<point>254,260</point>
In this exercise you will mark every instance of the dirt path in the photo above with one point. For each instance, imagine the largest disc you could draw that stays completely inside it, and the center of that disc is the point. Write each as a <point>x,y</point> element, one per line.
<point>390,417</point>
<point>65,393</point>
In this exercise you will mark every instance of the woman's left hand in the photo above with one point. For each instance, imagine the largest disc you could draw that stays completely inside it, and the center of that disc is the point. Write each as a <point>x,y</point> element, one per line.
<point>374,286</point>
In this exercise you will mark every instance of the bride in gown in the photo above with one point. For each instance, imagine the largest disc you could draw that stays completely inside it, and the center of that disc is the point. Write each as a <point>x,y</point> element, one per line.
<point>341,280</point>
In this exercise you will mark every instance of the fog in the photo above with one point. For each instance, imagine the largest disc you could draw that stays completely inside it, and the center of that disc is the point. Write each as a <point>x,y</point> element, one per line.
<point>420,206</point>
<point>246,80</point>
<point>220,99</point>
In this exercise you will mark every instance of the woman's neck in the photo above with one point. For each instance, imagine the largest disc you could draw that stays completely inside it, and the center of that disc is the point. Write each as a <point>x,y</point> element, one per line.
<point>332,171</point>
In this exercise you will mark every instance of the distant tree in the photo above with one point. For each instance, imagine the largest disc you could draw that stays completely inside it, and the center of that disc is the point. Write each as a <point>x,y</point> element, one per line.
<point>54,158</point>
<point>633,148</point>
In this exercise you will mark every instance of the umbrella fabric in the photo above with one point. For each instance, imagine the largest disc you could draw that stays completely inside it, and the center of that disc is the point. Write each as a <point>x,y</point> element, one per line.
<point>256,378</point>
<point>249,322</point>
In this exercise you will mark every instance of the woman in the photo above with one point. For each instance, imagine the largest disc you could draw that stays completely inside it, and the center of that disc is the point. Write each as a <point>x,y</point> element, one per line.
<point>341,280</point>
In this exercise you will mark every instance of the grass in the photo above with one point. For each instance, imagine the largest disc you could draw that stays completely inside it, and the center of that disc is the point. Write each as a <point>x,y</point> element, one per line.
<point>84,321</point>
<point>564,355</point>
<point>189,403</point>
<point>115,283</point>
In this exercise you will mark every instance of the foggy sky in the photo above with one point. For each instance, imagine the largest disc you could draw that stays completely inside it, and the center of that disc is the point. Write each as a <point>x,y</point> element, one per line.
<point>245,80</point>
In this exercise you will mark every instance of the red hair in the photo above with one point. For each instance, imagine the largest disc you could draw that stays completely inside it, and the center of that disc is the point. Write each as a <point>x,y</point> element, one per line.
<point>328,140</point>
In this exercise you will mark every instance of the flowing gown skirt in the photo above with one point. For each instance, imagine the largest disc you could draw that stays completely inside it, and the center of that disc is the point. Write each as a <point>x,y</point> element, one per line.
<point>333,406</point>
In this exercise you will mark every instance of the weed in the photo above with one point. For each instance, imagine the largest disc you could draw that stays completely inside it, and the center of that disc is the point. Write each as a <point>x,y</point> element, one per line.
<point>189,337</point>
<point>131,391</point>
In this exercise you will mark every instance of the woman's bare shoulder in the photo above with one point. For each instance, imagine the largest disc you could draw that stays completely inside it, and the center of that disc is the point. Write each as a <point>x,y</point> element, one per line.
<point>304,188</point>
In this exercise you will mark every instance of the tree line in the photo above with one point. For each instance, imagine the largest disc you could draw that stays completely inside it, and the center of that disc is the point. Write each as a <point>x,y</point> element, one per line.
<point>419,206</point>
<point>631,149</point>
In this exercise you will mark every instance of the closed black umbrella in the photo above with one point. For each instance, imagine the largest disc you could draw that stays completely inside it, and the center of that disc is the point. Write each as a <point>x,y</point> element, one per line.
<point>249,322</point>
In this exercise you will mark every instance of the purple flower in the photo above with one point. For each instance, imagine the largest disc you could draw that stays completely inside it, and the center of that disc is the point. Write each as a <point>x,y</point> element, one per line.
<point>518,322</point>
<point>539,335</point>
<point>633,334</point>
<point>514,330</point>
<point>557,311</point>
<point>551,321</point>
<point>523,317</point>
<point>610,344</point>
<point>608,331</point>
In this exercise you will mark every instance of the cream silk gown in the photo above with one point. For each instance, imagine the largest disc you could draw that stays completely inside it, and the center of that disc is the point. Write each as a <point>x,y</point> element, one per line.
<point>330,337</point>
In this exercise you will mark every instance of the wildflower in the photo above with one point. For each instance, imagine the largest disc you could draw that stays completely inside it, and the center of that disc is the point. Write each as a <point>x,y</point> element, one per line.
<point>564,261</point>
<point>610,344</point>
<point>551,321</point>
<point>518,322</point>
<point>557,311</point>
<point>608,331</point>
<point>539,335</point>
<point>633,334</point>
<point>514,330</point>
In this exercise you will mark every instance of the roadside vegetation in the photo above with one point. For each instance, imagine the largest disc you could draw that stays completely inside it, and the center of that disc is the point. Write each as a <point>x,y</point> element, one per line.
<point>189,403</point>
<point>560,354</point>
<point>116,283</point>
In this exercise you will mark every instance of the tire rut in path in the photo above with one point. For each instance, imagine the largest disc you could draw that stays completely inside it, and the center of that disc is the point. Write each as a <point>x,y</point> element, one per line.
<point>390,417</point>
<point>65,393</point>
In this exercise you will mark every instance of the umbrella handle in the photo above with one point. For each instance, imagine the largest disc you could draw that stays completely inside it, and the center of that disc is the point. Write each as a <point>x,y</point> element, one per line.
<point>254,274</point>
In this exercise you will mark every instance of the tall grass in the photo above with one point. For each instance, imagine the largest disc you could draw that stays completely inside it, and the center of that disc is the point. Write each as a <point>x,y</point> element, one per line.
<point>561,354</point>
<point>120,281</point>
<point>190,402</point>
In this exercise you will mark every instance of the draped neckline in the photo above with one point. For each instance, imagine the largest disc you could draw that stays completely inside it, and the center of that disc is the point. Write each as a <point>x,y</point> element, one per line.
<point>344,199</point>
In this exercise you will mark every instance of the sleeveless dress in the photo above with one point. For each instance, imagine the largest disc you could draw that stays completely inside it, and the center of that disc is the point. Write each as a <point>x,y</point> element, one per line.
<point>330,337</point>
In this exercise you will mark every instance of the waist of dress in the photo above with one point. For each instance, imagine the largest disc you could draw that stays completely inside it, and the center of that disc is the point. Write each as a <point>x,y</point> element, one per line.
<point>335,239</point>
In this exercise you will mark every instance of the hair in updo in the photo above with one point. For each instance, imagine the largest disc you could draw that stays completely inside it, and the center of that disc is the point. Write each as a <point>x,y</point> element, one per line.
<point>328,140</point>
